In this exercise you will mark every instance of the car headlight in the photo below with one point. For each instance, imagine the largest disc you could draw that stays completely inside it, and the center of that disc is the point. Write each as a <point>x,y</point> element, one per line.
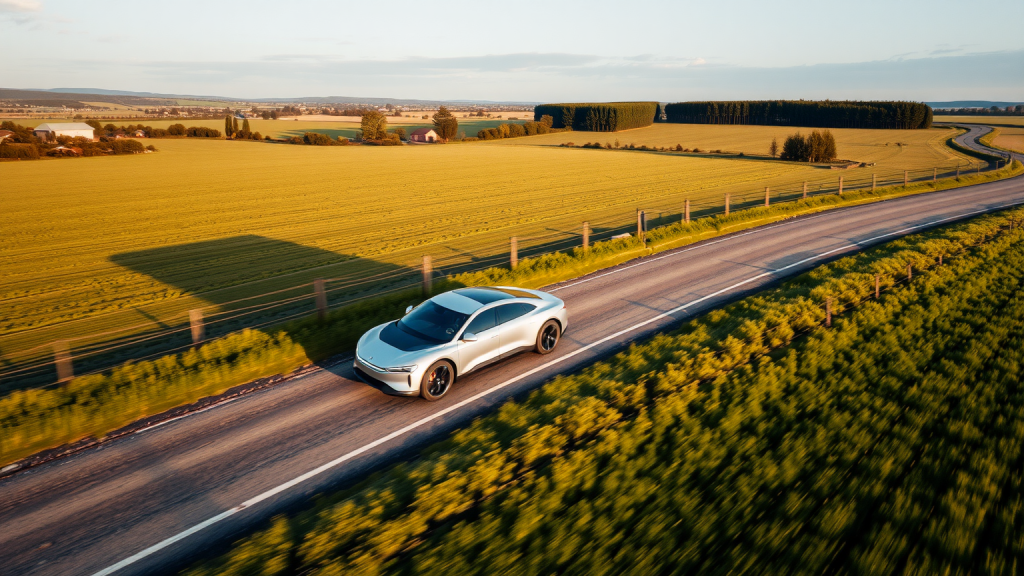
<point>411,368</point>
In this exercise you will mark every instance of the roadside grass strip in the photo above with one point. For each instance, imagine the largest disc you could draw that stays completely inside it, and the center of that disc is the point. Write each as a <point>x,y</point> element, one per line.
<point>753,438</point>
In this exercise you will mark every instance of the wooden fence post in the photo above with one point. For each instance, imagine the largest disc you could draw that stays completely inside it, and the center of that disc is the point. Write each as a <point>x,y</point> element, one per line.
<point>62,359</point>
<point>767,192</point>
<point>828,311</point>
<point>641,226</point>
<point>840,185</point>
<point>320,291</point>
<point>586,236</point>
<point>905,179</point>
<point>940,259</point>
<point>428,275</point>
<point>726,204</point>
<point>513,252</point>
<point>874,182</point>
<point>910,272</point>
<point>805,189</point>
<point>878,285</point>
<point>686,213</point>
<point>935,175</point>
<point>195,321</point>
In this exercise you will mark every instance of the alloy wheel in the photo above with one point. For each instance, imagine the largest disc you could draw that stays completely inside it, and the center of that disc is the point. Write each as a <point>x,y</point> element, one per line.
<point>439,380</point>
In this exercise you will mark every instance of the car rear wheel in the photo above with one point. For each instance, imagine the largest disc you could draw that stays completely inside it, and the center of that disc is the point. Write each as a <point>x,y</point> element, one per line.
<point>437,380</point>
<point>547,337</point>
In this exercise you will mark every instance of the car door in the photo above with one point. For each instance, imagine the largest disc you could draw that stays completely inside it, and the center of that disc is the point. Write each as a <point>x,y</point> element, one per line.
<point>516,326</point>
<point>487,346</point>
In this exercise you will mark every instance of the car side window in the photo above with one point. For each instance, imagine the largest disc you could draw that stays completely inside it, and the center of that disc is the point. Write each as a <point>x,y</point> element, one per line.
<point>510,312</point>
<point>483,321</point>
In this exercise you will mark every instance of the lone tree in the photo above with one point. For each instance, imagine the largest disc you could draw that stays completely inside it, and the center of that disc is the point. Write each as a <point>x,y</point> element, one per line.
<point>446,125</point>
<point>375,125</point>
<point>773,149</point>
<point>246,130</point>
<point>228,131</point>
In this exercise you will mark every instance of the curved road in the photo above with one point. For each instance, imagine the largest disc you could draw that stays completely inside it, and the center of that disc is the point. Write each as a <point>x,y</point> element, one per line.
<point>152,501</point>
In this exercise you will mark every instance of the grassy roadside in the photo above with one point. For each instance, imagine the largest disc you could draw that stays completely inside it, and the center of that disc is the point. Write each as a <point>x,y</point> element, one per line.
<point>95,405</point>
<point>730,444</point>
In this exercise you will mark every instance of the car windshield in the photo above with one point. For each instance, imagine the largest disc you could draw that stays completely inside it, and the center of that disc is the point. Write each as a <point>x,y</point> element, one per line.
<point>433,322</point>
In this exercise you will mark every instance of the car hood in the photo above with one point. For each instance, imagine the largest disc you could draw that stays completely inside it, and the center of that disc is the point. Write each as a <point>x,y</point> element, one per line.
<point>375,350</point>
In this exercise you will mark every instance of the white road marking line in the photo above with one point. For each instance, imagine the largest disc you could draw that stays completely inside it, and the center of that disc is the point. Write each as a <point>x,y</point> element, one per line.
<point>427,419</point>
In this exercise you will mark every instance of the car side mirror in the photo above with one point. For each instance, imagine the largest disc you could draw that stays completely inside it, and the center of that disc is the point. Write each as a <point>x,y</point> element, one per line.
<point>408,309</point>
<point>469,337</point>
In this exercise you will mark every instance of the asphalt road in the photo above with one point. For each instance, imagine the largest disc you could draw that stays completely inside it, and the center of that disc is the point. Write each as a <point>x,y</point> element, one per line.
<point>152,501</point>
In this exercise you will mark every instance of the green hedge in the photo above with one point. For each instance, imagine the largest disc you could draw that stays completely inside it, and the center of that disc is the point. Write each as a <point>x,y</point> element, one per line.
<point>601,117</point>
<point>888,444</point>
<point>824,114</point>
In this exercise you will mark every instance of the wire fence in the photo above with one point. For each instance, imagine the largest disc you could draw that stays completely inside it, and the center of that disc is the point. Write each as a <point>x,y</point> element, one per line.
<point>30,359</point>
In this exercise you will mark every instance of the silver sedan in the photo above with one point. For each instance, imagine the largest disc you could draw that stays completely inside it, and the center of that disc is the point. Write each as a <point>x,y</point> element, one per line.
<point>454,333</point>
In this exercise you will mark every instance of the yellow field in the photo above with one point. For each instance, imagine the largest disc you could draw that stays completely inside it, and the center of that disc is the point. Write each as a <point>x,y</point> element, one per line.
<point>1010,139</point>
<point>921,147</point>
<point>993,120</point>
<point>96,244</point>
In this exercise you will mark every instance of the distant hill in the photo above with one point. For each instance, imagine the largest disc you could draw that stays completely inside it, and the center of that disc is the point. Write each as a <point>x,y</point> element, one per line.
<point>154,98</point>
<point>971,104</point>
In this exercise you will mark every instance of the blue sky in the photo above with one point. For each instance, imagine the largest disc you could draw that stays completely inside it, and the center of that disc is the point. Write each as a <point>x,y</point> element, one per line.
<point>527,50</point>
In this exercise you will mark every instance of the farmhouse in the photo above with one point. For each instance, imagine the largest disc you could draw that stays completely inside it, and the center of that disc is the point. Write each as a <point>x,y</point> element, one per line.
<point>423,135</point>
<point>139,134</point>
<point>73,129</point>
<point>4,134</point>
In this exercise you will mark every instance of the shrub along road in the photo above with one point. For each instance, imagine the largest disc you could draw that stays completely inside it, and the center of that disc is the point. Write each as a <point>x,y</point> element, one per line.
<point>153,500</point>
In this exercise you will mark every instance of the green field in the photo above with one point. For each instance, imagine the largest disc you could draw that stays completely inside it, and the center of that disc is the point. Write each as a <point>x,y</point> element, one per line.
<point>132,243</point>
<point>752,440</point>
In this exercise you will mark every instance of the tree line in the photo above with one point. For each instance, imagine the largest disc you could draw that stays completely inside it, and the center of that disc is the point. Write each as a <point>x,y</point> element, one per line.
<point>1015,110</point>
<point>814,114</point>
<point>599,117</point>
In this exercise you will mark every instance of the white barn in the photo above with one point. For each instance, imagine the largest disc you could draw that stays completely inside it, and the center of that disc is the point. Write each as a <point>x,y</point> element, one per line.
<point>72,129</point>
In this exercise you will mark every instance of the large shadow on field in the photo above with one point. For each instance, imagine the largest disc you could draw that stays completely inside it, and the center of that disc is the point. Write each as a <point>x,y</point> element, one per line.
<point>245,281</point>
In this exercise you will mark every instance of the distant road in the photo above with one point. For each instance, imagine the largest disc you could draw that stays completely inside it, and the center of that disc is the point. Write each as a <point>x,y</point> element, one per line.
<point>151,501</point>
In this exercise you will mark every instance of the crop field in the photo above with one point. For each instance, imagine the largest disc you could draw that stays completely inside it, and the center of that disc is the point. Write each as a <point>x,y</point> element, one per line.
<point>122,245</point>
<point>756,439</point>
<point>920,147</point>
<point>1010,139</point>
<point>991,120</point>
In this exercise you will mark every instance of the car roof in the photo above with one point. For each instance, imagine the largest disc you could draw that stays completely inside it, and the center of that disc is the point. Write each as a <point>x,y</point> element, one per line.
<point>457,302</point>
<point>488,294</point>
<point>469,300</point>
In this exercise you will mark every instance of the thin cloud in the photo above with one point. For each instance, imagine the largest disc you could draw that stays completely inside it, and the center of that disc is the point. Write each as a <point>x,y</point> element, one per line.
<point>20,6</point>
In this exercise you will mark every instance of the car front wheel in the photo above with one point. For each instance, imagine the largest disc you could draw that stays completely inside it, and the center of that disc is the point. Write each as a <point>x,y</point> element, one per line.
<point>437,380</point>
<point>548,337</point>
